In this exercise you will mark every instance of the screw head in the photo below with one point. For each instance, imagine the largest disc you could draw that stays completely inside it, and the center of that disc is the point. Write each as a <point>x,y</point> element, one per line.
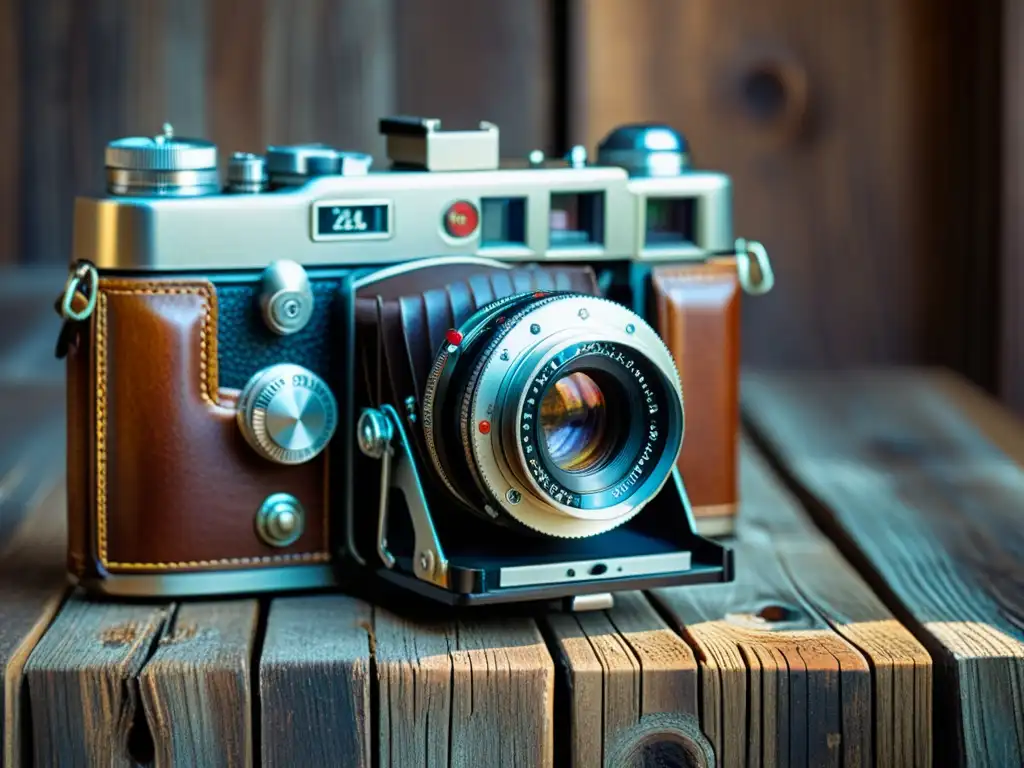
<point>583,313</point>
<point>373,432</point>
<point>534,329</point>
<point>513,496</point>
<point>630,328</point>
<point>426,562</point>
<point>504,355</point>
<point>279,520</point>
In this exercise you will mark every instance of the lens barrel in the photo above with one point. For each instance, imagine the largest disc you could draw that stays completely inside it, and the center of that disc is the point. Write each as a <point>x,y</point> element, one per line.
<point>558,412</point>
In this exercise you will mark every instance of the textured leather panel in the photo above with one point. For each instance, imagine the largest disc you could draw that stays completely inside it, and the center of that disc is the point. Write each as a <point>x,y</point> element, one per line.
<point>698,318</point>
<point>176,485</point>
<point>246,344</point>
<point>402,321</point>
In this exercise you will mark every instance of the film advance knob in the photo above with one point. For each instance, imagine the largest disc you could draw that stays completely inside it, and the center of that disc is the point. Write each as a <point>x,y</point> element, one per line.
<point>165,165</point>
<point>287,414</point>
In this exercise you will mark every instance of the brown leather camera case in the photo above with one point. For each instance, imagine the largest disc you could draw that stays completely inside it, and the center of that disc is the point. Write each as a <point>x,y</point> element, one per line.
<point>159,477</point>
<point>698,313</point>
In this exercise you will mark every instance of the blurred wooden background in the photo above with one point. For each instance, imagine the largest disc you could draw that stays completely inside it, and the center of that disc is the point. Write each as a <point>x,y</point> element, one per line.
<point>864,136</point>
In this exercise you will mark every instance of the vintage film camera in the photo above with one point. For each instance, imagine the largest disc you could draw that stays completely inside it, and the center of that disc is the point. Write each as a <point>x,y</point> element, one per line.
<point>438,376</point>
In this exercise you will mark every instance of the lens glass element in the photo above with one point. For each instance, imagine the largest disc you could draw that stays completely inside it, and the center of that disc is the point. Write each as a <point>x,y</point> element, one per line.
<point>574,417</point>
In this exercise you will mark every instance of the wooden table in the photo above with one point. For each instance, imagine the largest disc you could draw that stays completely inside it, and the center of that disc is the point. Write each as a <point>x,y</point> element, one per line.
<point>877,617</point>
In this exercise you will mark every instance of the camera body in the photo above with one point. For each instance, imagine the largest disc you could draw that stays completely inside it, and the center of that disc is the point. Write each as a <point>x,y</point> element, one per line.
<point>318,371</point>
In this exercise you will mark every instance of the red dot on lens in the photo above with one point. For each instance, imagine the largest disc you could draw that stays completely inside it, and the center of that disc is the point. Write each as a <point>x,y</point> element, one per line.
<point>485,427</point>
<point>453,336</point>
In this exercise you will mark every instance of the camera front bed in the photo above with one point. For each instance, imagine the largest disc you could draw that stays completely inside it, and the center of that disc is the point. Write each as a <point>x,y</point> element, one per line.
<point>478,578</point>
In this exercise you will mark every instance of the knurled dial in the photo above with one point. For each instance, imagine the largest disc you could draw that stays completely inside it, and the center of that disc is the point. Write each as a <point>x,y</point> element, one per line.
<point>287,413</point>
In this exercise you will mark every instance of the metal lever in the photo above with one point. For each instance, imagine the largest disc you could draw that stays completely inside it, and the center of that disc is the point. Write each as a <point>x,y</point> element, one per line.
<point>377,429</point>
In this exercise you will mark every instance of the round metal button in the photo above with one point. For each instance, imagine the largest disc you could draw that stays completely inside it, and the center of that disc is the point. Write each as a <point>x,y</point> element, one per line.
<point>286,297</point>
<point>287,414</point>
<point>280,520</point>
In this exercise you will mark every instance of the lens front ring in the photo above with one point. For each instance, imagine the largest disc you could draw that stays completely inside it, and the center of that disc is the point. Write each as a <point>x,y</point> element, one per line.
<point>500,461</point>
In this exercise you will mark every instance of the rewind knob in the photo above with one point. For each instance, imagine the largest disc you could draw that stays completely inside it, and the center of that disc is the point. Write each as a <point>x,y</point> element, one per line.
<point>287,413</point>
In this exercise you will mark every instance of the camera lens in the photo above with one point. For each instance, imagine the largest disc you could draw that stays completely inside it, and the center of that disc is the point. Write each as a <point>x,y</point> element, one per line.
<point>559,413</point>
<point>574,417</point>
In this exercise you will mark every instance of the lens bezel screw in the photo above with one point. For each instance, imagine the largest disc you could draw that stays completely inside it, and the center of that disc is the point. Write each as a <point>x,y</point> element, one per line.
<point>513,496</point>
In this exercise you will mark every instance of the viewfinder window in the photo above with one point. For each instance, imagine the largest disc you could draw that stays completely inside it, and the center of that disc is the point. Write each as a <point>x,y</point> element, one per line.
<point>671,221</point>
<point>577,219</point>
<point>503,221</point>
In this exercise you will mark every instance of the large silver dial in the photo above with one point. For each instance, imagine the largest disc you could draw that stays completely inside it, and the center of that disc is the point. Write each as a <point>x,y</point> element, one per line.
<point>287,413</point>
<point>164,166</point>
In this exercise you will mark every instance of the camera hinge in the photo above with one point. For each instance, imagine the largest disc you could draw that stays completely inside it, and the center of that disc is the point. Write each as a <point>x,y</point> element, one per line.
<point>377,430</point>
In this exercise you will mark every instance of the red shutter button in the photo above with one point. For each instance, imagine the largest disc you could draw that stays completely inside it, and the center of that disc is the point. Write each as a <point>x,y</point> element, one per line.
<point>461,219</point>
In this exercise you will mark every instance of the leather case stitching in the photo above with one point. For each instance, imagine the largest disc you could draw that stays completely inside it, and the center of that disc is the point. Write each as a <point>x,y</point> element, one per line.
<point>208,385</point>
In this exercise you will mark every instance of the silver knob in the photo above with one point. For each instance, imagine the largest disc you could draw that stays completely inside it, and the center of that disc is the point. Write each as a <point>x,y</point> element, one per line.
<point>287,414</point>
<point>280,520</point>
<point>163,165</point>
<point>247,173</point>
<point>286,297</point>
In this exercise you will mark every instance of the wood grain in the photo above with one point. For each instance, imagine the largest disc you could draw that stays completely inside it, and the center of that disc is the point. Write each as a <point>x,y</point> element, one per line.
<point>83,688</point>
<point>467,62</point>
<point>195,687</point>
<point>1011,325</point>
<point>889,451</point>
<point>463,693</point>
<point>779,686</point>
<point>315,682</point>
<point>826,118</point>
<point>32,582</point>
<point>328,72</point>
<point>632,687</point>
<point>10,131</point>
<point>902,673</point>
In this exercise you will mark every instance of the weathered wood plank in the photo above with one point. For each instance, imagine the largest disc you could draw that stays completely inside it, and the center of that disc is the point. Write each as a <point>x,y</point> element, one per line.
<point>463,693</point>
<point>929,511</point>
<point>32,584</point>
<point>195,688</point>
<point>82,684</point>
<point>632,684</point>
<point>314,673</point>
<point>901,667</point>
<point>780,687</point>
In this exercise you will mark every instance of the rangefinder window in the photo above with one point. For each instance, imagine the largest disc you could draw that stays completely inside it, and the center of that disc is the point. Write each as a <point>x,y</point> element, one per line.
<point>577,219</point>
<point>671,221</point>
<point>503,221</point>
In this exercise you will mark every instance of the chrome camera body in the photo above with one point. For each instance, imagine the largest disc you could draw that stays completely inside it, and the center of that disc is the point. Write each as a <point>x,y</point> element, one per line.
<point>446,375</point>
